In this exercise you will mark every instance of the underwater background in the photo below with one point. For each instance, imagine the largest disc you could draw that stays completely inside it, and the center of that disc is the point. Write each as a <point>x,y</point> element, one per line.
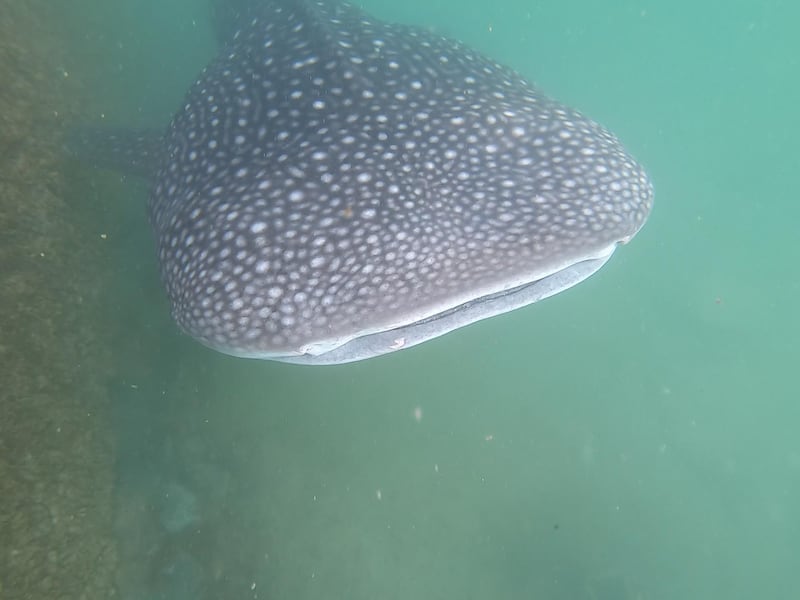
<point>634,437</point>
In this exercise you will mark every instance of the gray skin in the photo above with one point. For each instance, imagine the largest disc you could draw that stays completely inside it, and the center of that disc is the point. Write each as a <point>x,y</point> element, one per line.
<point>335,188</point>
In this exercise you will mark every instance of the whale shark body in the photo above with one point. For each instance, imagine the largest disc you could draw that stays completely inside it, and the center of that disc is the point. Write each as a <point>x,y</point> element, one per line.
<point>335,187</point>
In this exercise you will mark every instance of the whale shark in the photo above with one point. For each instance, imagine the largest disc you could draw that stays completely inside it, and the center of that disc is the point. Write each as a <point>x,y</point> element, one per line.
<point>335,187</point>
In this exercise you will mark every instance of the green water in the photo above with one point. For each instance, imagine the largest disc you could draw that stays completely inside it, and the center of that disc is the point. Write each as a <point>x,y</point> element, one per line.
<point>633,437</point>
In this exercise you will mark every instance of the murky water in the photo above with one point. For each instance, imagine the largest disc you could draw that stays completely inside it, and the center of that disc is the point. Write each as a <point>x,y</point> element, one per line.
<point>633,437</point>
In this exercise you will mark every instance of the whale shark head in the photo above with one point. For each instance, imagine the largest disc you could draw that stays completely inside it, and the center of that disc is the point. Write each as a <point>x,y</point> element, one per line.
<point>335,187</point>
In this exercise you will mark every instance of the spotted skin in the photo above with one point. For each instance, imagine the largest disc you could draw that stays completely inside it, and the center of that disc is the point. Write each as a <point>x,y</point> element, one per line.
<point>336,187</point>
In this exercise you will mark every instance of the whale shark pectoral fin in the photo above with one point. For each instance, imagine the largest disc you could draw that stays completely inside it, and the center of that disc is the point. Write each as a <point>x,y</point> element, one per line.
<point>133,152</point>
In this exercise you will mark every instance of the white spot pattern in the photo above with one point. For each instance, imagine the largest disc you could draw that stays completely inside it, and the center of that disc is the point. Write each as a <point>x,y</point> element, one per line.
<point>322,187</point>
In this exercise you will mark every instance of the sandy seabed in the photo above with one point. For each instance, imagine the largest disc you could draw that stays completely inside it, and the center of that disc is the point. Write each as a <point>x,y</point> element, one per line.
<point>56,449</point>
